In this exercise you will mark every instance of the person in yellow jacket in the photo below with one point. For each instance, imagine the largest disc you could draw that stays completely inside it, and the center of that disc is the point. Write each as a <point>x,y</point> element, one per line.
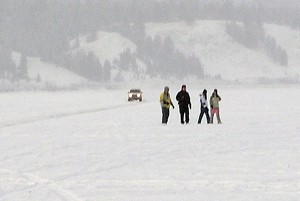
<point>165,102</point>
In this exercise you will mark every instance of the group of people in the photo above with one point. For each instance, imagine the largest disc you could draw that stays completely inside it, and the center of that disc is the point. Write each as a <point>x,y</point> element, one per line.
<point>184,102</point>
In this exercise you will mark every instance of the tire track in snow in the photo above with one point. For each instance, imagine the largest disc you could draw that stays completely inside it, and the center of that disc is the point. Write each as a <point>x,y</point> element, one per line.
<point>63,115</point>
<point>66,195</point>
<point>35,181</point>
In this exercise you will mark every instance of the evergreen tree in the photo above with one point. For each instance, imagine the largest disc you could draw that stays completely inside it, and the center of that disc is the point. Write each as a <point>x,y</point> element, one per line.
<point>282,56</point>
<point>93,67</point>
<point>23,69</point>
<point>195,66</point>
<point>38,78</point>
<point>127,60</point>
<point>107,67</point>
<point>7,65</point>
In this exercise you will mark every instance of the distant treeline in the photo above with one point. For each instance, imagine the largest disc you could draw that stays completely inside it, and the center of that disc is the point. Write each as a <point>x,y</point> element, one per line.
<point>44,28</point>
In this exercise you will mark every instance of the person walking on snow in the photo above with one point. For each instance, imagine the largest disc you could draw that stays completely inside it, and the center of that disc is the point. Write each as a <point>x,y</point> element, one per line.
<point>165,102</point>
<point>184,103</point>
<point>214,104</point>
<point>204,107</point>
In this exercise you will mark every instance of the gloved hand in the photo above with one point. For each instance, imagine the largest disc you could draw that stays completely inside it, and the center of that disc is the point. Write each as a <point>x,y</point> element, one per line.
<point>190,106</point>
<point>173,106</point>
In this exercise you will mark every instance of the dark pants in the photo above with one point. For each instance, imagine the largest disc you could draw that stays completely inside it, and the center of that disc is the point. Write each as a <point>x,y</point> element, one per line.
<point>184,111</point>
<point>204,111</point>
<point>165,114</point>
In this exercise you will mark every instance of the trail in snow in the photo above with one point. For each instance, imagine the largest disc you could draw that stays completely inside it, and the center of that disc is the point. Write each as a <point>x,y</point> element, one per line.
<point>62,115</point>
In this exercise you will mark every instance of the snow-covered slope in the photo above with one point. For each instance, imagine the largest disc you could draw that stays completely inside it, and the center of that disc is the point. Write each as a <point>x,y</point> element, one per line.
<point>107,46</point>
<point>48,73</point>
<point>218,52</point>
<point>221,55</point>
<point>288,39</point>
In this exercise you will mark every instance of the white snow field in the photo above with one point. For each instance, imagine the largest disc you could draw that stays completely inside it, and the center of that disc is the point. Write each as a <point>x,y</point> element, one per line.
<point>93,145</point>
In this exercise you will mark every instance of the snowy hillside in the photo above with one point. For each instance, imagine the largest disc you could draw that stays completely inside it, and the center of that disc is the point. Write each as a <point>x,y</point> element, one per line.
<point>48,73</point>
<point>107,46</point>
<point>222,56</point>
<point>219,53</point>
<point>289,39</point>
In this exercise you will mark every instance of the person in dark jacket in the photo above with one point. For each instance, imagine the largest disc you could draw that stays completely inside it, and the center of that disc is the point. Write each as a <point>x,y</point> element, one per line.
<point>184,103</point>
<point>204,107</point>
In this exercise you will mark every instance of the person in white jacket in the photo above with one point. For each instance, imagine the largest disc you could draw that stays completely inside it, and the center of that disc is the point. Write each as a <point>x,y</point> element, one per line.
<point>204,107</point>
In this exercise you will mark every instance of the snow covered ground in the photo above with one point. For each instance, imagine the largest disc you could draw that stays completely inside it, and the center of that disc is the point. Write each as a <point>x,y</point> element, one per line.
<point>94,145</point>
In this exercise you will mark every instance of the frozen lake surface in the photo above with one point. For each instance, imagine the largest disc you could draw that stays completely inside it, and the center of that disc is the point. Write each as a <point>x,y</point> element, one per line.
<point>93,145</point>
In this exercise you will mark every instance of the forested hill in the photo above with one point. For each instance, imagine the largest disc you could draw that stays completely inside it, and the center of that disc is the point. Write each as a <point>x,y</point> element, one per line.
<point>102,40</point>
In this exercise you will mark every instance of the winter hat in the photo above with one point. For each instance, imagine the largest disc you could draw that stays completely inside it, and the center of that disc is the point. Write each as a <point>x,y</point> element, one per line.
<point>204,91</point>
<point>183,86</point>
<point>166,89</point>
